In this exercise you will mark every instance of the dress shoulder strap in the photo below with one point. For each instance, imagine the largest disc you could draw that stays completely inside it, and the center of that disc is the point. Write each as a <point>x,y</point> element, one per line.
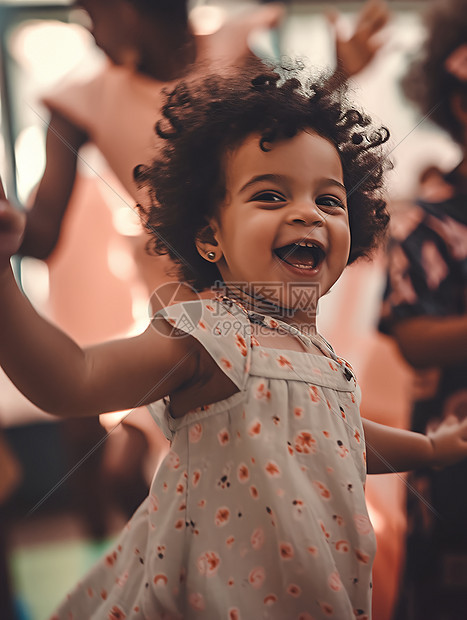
<point>223,332</point>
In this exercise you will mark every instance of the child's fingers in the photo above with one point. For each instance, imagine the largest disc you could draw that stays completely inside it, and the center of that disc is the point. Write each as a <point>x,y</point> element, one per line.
<point>450,420</point>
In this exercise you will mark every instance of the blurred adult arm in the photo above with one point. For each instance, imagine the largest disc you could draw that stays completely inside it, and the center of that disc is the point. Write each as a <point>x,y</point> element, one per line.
<point>46,213</point>
<point>356,50</point>
<point>427,341</point>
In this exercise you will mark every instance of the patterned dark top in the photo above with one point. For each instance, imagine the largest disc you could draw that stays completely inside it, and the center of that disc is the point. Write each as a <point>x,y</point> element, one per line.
<point>427,276</point>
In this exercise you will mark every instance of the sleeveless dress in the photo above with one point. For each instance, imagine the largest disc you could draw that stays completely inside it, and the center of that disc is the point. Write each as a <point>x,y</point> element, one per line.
<point>258,510</point>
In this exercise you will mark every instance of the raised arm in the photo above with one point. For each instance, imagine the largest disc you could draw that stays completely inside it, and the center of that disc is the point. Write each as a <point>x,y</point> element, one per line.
<point>57,375</point>
<point>392,450</point>
<point>355,51</point>
<point>45,215</point>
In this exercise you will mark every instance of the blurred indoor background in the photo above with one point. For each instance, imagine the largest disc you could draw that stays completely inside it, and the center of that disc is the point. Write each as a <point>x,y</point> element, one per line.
<point>50,539</point>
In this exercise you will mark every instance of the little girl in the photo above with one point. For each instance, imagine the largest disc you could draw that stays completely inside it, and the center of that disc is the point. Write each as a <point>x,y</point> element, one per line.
<point>268,187</point>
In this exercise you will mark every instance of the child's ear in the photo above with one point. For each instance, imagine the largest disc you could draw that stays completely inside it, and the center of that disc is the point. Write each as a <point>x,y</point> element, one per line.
<point>207,245</point>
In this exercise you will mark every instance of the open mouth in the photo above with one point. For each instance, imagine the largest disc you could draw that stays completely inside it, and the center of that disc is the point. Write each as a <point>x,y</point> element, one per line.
<point>303,255</point>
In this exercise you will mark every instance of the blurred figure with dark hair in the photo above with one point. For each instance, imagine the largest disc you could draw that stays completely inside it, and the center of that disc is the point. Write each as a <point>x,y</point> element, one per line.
<point>425,310</point>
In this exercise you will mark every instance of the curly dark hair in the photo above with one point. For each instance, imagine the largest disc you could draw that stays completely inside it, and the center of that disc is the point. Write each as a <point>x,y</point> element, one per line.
<point>427,82</point>
<point>203,119</point>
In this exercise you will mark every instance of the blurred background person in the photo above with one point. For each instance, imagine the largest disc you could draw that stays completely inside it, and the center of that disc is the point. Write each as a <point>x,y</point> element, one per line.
<point>424,310</point>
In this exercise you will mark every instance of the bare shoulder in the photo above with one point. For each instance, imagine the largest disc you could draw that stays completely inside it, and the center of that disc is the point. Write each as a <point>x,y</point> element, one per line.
<point>193,378</point>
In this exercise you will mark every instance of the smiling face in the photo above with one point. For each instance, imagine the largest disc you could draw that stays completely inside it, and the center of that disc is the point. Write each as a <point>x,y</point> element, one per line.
<point>285,219</point>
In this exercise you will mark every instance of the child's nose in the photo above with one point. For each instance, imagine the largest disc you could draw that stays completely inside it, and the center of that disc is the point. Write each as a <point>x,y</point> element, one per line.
<point>306,213</point>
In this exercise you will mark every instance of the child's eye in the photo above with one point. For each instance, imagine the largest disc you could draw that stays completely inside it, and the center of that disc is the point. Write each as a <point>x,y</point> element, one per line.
<point>330,202</point>
<point>268,196</point>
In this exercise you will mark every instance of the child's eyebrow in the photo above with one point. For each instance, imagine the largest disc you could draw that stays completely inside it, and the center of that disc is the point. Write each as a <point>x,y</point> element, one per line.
<point>275,178</point>
<point>334,182</point>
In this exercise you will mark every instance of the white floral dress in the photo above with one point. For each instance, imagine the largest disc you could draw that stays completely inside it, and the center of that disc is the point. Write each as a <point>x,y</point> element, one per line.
<point>258,510</point>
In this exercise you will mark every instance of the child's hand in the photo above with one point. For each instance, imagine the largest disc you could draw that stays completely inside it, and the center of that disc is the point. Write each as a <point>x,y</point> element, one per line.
<point>449,442</point>
<point>354,53</point>
<point>12,223</point>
